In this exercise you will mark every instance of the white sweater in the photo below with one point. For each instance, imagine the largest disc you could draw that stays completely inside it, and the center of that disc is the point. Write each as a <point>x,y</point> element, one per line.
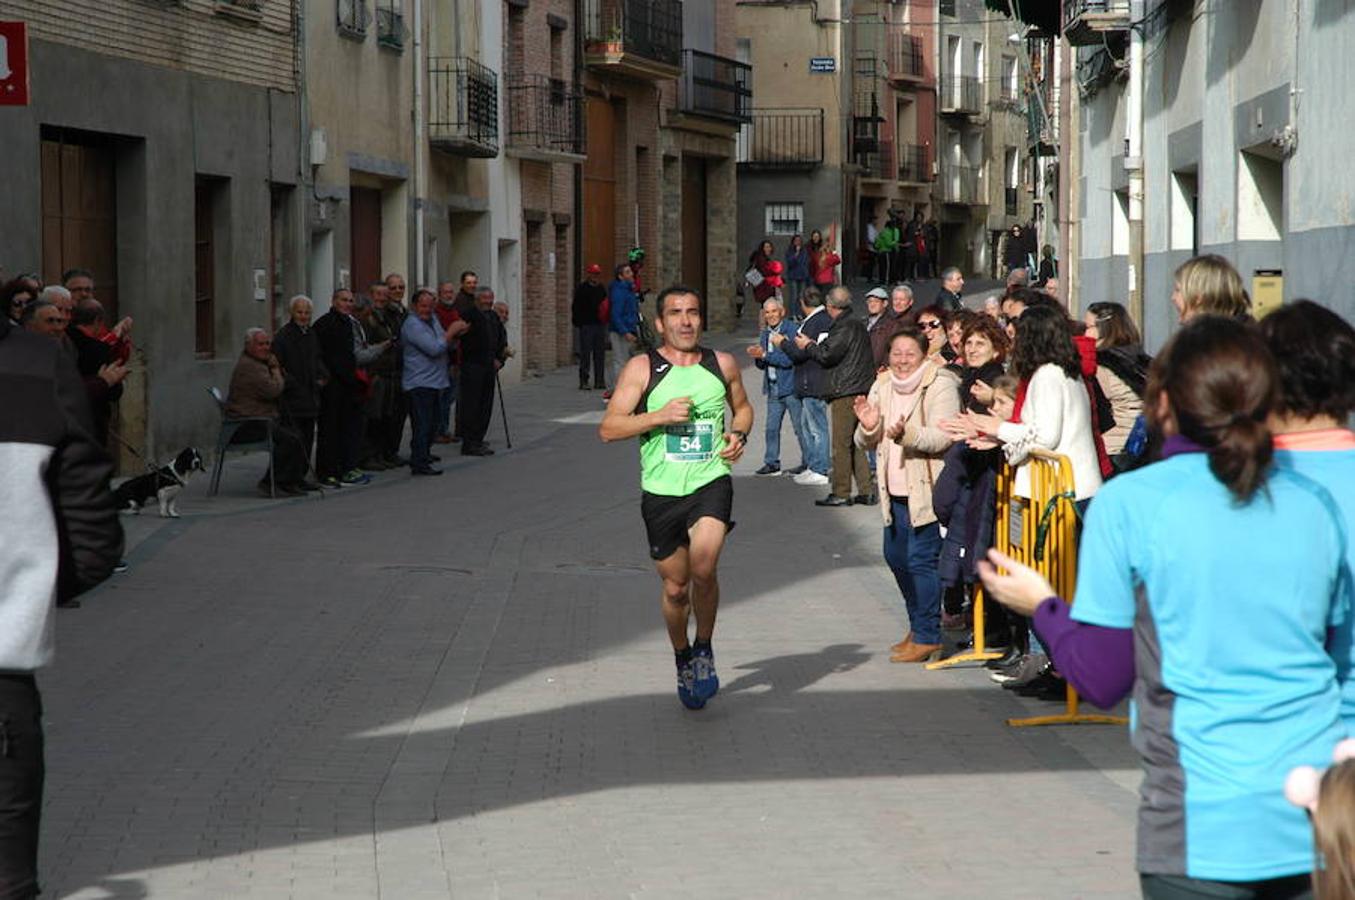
<point>1057,417</point>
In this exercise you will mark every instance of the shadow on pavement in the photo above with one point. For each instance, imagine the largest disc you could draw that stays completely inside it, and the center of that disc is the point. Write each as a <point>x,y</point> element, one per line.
<point>270,678</point>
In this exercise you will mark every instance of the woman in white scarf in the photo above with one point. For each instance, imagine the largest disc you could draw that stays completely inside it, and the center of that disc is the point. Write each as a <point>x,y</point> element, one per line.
<point>914,395</point>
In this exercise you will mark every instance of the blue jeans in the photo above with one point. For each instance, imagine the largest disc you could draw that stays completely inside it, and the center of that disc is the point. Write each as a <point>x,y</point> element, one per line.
<point>913,555</point>
<point>423,419</point>
<point>814,433</point>
<point>777,407</point>
<point>446,397</point>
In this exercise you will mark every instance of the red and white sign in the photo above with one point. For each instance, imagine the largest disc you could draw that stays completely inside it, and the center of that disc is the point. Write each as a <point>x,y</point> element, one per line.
<point>13,64</point>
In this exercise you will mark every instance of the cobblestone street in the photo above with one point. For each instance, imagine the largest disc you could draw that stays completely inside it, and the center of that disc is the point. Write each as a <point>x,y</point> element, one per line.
<point>460,687</point>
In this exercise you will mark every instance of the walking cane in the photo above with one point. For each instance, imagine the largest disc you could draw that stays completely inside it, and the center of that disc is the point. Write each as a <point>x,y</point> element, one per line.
<point>503,413</point>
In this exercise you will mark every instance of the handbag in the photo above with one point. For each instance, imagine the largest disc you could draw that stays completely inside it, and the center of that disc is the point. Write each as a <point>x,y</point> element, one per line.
<point>753,276</point>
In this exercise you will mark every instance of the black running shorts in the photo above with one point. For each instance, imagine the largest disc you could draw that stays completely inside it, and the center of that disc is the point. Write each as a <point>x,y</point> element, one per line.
<point>667,519</point>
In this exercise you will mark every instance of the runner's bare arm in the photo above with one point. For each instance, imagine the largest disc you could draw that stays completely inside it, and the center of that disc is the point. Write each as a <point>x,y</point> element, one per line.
<point>621,422</point>
<point>742,419</point>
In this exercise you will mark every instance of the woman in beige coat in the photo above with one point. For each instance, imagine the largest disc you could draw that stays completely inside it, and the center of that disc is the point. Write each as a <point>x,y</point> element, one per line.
<point>901,416</point>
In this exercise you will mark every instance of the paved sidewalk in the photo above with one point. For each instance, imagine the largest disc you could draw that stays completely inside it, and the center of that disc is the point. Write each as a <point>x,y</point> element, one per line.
<point>460,687</point>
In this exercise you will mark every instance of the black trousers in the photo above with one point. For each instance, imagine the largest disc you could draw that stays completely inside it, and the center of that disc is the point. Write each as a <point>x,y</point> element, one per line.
<point>21,777</point>
<point>340,437</point>
<point>476,405</point>
<point>593,352</point>
<point>395,426</point>
<point>289,456</point>
<point>304,428</point>
<point>423,420</point>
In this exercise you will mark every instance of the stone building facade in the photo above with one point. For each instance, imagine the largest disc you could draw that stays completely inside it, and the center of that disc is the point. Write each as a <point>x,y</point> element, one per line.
<point>1240,154</point>
<point>162,151</point>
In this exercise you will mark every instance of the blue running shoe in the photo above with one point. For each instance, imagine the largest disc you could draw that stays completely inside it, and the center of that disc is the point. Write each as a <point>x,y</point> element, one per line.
<point>686,689</point>
<point>705,683</point>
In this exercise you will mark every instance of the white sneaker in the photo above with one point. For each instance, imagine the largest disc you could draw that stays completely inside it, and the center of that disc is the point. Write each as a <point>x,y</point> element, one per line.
<point>810,477</point>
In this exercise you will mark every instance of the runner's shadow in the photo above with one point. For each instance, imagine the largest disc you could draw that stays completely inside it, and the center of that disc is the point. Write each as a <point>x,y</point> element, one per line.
<point>797,671</point>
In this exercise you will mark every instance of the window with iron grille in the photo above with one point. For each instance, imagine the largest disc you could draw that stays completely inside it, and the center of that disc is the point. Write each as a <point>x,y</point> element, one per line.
<point>785,218</point>
<point>1009,78</point>
<point>353,18</point>
<point>390,24</point>
<point>946,7</point>
<point>245,10</point>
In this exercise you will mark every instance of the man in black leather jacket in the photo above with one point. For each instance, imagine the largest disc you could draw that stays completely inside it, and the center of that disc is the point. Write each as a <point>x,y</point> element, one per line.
<point>59,537</point>
<point>849,365</point>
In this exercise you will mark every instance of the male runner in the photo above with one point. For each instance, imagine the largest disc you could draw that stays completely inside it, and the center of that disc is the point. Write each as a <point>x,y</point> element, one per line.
<point>673,399</point>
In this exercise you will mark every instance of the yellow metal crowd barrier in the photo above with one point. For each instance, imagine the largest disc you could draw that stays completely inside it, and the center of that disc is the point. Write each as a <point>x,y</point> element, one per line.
<point>1042,533</point>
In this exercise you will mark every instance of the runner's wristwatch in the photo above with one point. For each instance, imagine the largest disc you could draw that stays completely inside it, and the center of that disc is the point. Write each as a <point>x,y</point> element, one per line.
<point>743,435</point>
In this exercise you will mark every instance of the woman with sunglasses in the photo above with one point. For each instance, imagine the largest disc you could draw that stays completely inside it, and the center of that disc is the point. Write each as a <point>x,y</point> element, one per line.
<point>17,294</point>
<point>931,321</point>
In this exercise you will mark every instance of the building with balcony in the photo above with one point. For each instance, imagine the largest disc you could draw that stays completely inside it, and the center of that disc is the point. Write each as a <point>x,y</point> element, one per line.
<point>794,151</point>
<point>664,98</point>
<point>544,149</point>
<point>986,170</point>
<point>161,151</point>
<point>844,126</point>
<point>894,92</point>
<point>631,48</point>
<point>703,111</point>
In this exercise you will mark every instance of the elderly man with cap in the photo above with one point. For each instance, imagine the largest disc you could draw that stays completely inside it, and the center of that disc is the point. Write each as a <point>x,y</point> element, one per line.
<point>881,324</point>
<point>590,320</point>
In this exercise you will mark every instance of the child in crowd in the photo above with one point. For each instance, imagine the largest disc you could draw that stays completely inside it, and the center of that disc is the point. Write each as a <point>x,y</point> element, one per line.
<point>1004,396</point>
<point>1329,798</point>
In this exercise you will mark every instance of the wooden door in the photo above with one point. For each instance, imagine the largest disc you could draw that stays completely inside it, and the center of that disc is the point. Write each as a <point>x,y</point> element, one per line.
<point>599,189</point>
<point>694,229</point>
<point>364,211</point>
<point>80,213</point>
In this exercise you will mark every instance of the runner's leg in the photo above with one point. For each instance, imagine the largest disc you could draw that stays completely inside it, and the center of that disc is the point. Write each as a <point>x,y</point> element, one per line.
<point>675,571</point>
<point>708,539</point>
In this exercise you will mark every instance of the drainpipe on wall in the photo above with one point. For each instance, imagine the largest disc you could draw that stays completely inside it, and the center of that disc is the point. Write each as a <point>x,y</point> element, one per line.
<point>305,178</point>
<point>1133,160</point>
<point>577,218</point>
<point>419,263</point>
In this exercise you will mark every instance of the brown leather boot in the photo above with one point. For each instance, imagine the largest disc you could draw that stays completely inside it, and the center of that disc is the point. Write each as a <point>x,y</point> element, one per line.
<point>916,653</point>
<point>903,644</point>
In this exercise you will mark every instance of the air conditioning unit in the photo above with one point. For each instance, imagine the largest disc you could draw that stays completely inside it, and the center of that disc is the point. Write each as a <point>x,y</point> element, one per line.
<point>319,147</point>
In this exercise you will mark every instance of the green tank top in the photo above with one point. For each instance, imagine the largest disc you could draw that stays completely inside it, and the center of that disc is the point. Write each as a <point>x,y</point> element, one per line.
<point>676,460</point>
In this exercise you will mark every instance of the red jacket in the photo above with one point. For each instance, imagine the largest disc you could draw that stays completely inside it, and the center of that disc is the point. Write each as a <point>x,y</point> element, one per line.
<point>1086,348</point>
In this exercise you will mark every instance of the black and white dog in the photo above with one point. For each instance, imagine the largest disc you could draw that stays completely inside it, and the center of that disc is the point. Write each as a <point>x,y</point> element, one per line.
<point>163,484</point>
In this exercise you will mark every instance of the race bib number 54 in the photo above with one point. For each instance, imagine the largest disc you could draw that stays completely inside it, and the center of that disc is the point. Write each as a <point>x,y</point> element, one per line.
<point>689,442</point>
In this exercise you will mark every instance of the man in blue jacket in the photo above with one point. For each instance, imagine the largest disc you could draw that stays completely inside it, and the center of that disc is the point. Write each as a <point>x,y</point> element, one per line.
<point>778,383</point>
<point>624,324</point>
<point>811,386</point>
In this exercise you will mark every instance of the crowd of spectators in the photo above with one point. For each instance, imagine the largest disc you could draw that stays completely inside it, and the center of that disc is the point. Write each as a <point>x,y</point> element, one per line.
<point>1214,488</point>
<point>347,384</point>
<point>335,391</point>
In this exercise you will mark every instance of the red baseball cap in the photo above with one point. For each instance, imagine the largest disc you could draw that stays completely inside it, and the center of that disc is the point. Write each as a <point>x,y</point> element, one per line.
<point>593,269</point>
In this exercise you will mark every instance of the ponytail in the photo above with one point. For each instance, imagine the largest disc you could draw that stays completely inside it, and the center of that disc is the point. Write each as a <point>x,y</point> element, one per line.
<point>1221,383</point>
<point>1242,456</point>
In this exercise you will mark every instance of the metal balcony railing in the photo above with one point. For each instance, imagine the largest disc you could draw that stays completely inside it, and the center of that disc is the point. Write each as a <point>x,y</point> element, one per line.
<point>960,184</point>
<point>1077,9</point>
<point>651,29</point>
<point>352,18</point>
<point>390,28</point>
<point>544,115</point>
<point>715,86</point>
<point>906,59</point>
<point>879,165</point>
<point>959,94</point>
<point>782,138</point>
<point>1086,21</point>
<point>914,166</point>
<point>463,107</point>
